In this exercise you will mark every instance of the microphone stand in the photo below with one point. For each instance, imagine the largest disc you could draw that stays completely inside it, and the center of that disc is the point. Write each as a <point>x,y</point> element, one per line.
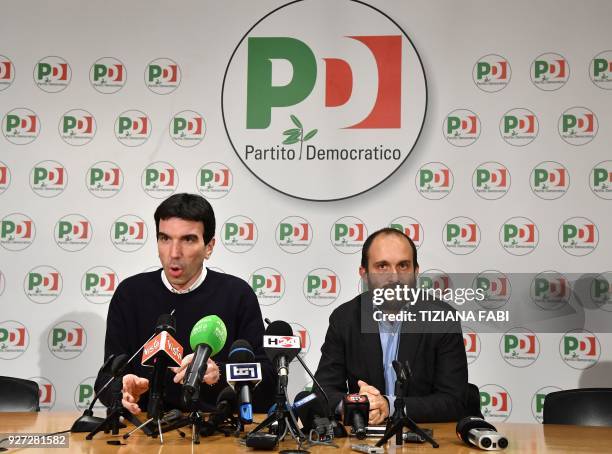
<point>400,419</point>
<point>87,422</point>
<point>285,418</point>
<point>339,430</point>
<point>112,422</point>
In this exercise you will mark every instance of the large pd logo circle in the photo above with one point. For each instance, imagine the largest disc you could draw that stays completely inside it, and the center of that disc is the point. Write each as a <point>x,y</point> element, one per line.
<point>341,106</point>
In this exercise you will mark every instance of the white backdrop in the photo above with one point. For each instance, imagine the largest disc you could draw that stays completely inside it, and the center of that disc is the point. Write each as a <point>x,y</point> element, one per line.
<point>53,293</point>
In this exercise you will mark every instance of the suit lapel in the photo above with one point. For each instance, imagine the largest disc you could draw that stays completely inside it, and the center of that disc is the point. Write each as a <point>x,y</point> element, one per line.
<point>408,347</point>
<point>372,356</point>
<point>370,350</point>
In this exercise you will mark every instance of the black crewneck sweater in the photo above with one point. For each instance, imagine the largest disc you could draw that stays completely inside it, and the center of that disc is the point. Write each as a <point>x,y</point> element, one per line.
<point>141,299</point>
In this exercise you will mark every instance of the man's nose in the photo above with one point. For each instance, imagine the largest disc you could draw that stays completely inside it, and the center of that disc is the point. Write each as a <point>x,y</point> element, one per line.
<point>175,249</point>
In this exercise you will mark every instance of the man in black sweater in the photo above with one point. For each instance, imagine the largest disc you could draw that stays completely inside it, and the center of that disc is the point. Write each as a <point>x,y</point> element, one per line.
<point>185,225</point>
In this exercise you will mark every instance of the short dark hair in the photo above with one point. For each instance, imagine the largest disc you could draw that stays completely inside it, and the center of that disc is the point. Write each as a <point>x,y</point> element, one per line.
<point>191,207</point>
<point>365,250</point>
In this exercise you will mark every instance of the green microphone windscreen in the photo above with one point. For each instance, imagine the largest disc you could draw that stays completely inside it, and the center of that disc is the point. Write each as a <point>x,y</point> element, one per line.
<point>209,330</point>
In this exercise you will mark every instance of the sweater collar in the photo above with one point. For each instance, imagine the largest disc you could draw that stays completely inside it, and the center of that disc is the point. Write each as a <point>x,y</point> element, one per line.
<point>191,288</point>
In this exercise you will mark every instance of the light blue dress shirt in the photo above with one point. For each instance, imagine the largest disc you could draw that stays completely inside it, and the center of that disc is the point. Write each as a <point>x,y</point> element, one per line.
<point>389,341</point>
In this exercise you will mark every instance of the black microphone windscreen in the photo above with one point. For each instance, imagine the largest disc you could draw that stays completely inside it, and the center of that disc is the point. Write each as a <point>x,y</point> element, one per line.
<point>228,394</point>
<point>118,364</point>
<point>308,405</point>
<point>279,328</point>
<point>241,352</point>
<point>166,322</point>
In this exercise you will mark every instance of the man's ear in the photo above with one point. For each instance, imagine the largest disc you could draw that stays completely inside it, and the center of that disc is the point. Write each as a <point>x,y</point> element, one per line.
<point>209,248</point>
<point>362,272</point>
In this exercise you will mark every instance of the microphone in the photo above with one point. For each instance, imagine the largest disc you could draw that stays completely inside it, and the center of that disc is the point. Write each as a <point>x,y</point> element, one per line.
<point>207,338</point>
<point>160,352</point>
<point>477,432</point>
<point>281,347</point>
<point>242,374</point>
<point>226,402</point>
<point>339,430</point>
<point>313,414</point>
<point>356,413</point>
<point>87,421</point>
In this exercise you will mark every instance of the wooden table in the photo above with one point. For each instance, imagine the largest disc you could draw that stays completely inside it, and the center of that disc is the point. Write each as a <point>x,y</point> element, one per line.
<point>524,438</point>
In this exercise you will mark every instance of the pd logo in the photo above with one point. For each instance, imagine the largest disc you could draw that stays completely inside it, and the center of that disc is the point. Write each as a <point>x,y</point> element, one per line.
<point>52,74</point>
<point>519,236</point>
<point>98,284</point>
<point>128,233</point>
<point>461,235</point>
<point>73,232</point>
<point>293,234</point>
<point>14,339</point>
<point>519,347</point>
<point>43,284</point>
<point>77,127</point>
<point>299,330</point>
<point>214,180</point>
<point>601,291</point>
<point>537,402</point>
<point>84,393</point>
<point>492,73</point>
<point>461,127</point>
<point>104,179</point>
<point>159,180</point>
<point>495,286</point>
<point>7,72</point>
<point>5,177</point>
<point>549,180</point>
<point>495,403</point>
<point>107,75</point>
<point>434,181</point>
<point>132,128</point>
<point>600,180</point>
<point>550,290</point>
<point>491,180</point>
<point>67,340</point>
<point>239,234</point>
<point>21,126</point>
<point>549,71</point>
<point>268,284</point>
<point>519,127</point>
<point>434,279</point>
<point>600,70</point>
<point>162,76</point>
<point>580,349</point>
<point>17,232</point>
<point>321,287</point>
<point>348,234</point>
<point>48,178</point>
<point>472,344</point>
<point>411,228</point>
<point>578,126</point>
<point>307,92</point>
<point>187,128</point>
<point>578,236</point>
<point>46,393</point>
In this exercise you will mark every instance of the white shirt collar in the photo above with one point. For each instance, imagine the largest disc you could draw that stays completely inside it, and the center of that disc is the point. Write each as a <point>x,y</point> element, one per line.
<point>193,286</point>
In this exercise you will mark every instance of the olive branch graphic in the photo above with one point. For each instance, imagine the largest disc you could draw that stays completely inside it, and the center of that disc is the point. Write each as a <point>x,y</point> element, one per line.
<point>296,135</point>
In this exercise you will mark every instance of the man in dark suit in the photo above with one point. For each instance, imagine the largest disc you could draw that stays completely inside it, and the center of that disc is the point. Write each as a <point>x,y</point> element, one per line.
<point>358,350</point>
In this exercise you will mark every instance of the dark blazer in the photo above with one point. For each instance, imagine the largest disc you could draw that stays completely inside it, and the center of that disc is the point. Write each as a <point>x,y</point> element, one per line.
<point>352,351</point>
